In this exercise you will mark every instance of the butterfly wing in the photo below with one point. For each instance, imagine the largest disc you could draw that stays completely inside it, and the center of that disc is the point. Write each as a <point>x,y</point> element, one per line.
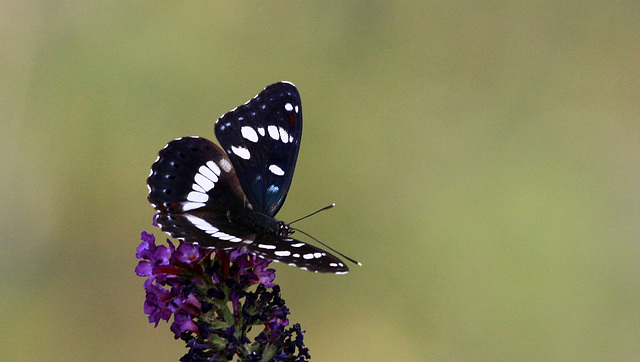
<point>194,187</point>
<point>262,139</point>
<point>296,253</point>
<point>198,228</point>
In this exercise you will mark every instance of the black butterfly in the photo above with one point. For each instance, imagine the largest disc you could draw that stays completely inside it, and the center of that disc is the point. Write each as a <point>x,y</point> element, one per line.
<point>225,201</point>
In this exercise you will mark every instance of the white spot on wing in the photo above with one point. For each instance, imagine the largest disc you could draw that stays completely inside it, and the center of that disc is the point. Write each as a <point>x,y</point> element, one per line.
<point>198,188</point>
<point>288,107</point>
<point>195,196</point>
<point>216,170</point>
<point>188,206</point>
<point>297,109</point>
<point>222,236</point>
<point>282,253</point>
<point>297,245</point>
<point>276,170</point>
<point>201,224</point>
<point>284,137</point>
<point>249,134</point>
<point>273,132</point>
<point>266,246</point>
<point>225,165</point>
<point>241,152</point>
<point>205,183</point>
<point>261,131</point>
<point>308,256</point>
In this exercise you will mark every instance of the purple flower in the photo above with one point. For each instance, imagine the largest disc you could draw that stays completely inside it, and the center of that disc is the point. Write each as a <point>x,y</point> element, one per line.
<point>216,297</point>
<point>259,274</point>
<point>182,322</point>
<point>156,304</point>
<point>187,253</point>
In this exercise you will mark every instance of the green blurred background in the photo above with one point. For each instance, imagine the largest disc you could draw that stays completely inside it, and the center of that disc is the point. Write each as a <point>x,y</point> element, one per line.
<point>484,158</point>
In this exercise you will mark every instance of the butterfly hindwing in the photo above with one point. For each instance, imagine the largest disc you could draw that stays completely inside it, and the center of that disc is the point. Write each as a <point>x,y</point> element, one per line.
<point>262,139</point>
<point>208,230</point>
<point>290,251</point>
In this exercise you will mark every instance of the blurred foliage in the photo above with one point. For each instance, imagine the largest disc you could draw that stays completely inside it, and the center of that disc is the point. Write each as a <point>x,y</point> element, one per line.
<point>484,158</point>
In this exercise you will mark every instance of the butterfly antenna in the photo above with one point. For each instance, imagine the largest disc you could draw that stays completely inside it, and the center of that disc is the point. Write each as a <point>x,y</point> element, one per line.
<point>327,246</point>
<point>313,213</point>
<point>320,242</point>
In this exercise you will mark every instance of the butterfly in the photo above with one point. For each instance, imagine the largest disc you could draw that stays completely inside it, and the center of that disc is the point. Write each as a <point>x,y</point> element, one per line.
<point>226,198</point>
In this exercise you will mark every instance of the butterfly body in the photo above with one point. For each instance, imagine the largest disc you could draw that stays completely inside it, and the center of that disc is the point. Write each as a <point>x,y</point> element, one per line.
<point>226,198</point>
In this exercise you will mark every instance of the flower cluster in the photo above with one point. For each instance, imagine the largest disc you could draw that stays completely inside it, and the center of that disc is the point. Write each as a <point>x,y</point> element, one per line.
<point>211,296</point>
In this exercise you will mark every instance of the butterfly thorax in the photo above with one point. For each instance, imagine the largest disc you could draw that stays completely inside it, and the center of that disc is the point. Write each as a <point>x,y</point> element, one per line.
<point>259,223</point>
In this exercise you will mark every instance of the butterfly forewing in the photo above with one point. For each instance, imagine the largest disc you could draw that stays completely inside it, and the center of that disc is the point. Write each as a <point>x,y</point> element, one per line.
<point>193,175</point>
<point>262,139</point>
